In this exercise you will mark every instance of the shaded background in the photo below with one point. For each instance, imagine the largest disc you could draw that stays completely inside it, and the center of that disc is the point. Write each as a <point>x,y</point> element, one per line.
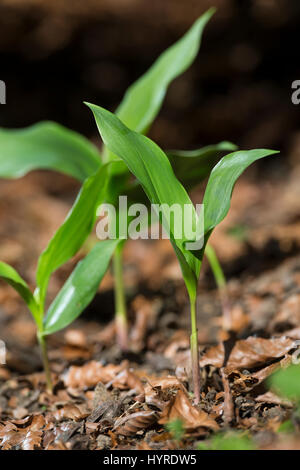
<point>56,53</point>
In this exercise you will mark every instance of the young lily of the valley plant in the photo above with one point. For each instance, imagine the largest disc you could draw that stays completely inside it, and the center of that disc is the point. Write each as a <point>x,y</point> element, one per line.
<point>151,166</point>
<point>80,288</point>
<point>50,146</point>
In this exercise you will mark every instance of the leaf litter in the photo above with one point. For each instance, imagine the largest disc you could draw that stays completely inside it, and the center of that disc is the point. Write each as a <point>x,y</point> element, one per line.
<point>104,400</point>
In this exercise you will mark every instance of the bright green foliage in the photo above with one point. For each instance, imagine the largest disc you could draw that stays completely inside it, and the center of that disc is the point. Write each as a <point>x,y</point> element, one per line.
<point>151,167</point>
<point>286,382</point>
<point>73,232</point>
<point>221,182</point>
<point>50,146</point>
<point>83,283</point>
<point>46,145</point>
<point>81,287</point>
<point>176,428</point>
<point>228,441</point>
<point>144,98</point>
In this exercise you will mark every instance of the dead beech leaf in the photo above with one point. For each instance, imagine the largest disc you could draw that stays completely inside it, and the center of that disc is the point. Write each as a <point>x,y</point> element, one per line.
<point>248,353</point>
<point>246,382</point>
<point>69,411</point>
<point>180,407</point>
<point>242,383</point>
<point>262,374</point>
<point>127,380</point>
<point>159,391</point>
<point>166,382</point>
<point>270,397</point>
<point>90,374</point>
<point>289,312</point>
<point>28,438</point>
<point>129,425</point>
<point>32,440</point>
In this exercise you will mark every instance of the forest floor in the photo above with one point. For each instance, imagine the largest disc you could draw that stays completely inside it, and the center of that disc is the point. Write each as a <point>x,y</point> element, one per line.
<point>105,399</point>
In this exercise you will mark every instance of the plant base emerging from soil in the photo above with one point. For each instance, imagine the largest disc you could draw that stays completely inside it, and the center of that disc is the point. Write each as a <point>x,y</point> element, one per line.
<point>194,344</point>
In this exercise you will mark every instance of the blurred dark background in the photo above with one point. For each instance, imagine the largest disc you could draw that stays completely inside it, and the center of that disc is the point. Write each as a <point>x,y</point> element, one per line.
<point>56,53</point>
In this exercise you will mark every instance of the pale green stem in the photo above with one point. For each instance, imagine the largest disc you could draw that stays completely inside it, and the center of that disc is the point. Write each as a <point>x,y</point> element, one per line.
<point>221,283</point>
<point>43,346</point>
<point>195,350</point>
<point>215,266</point>
<point>120,301</point>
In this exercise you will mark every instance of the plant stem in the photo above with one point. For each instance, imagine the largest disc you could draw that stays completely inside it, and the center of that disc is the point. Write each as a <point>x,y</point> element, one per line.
<point>195,351</point>
<point>43,345</point>
<point>221,283</point>
<point>120,302</point>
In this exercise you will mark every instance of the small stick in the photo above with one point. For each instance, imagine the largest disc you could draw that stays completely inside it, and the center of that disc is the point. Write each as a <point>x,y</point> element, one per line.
<point>228,402</point>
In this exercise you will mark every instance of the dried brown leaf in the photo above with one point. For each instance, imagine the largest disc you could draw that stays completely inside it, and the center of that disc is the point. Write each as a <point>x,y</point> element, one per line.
<point>127,380</point>
<point>90,374</point>
<point>248,353</point>
<point>32,440</point>
<point>180,407</point>
<point>28,438</point>
<point>159,391</point>
<point>270,397</point>
<point>129,425</point>
<point>69,411</point>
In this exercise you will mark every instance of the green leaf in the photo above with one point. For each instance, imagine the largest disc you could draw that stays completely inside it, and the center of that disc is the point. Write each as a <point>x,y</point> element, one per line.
<point>144,98</point>
<point>73,232</point>
<point>193,166</point>
<point>287,382</point>
<point>10,275</point>
<point>221,183</point>
<point>80,288</point>
<point>152,168</point>
<point>46,145</point>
